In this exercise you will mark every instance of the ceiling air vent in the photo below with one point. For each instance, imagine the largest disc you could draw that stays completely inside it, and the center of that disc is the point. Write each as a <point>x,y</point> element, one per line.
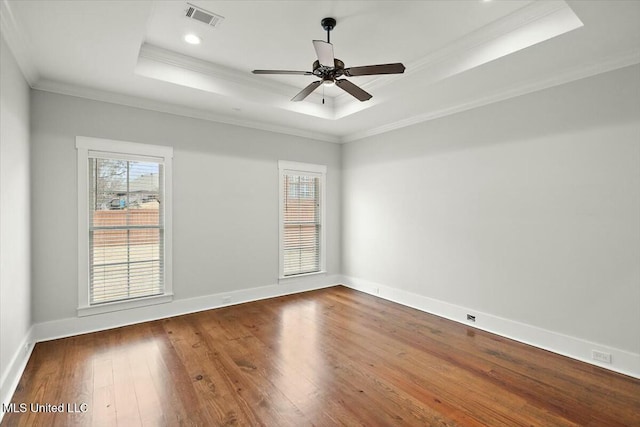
<point>204,16</point>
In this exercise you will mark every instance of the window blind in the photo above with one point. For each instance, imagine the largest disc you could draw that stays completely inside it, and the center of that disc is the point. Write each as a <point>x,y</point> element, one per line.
<point>301,224</point>
<point>126,229</point>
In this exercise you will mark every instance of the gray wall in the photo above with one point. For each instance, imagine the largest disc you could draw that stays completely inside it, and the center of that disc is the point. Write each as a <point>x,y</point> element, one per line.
<point>15,281</point>
<point>528,209</point>
<point>225,212</point>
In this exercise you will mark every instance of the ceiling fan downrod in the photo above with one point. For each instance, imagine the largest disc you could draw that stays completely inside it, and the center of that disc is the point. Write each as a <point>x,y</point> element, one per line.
<point>328,24</point>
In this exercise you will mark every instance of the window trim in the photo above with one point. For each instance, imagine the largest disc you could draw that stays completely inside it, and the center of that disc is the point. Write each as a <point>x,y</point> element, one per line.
<point>308,169</point>
<point>84,145</point>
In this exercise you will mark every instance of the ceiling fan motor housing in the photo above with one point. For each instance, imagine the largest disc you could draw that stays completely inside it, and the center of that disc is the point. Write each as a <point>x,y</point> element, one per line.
<point>326,73</point>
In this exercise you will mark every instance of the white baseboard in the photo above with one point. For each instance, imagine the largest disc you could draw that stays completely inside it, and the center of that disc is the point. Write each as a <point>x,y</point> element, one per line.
<point>13,373</point>
<point>46,331</point>
<point>61,328</point>
<point>622,361</point>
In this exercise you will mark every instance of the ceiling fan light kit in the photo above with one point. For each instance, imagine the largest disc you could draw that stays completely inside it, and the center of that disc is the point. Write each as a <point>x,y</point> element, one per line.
<point>329,68</point>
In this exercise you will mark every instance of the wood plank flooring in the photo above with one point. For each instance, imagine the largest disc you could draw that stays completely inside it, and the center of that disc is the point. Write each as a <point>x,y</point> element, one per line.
<point>328,357</point>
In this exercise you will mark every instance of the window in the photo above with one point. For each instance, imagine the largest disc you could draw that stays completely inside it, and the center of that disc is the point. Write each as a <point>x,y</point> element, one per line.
<point>301,218</point>
<point>124,206</point>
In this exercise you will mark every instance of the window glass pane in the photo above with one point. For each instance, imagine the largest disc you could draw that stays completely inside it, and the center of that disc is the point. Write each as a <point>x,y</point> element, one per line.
<point>144,192</point>
<point>110,185</point>
<point>108,246</point>
<point>144,244</point>
<point>301,228</point>
<point>126,230</point>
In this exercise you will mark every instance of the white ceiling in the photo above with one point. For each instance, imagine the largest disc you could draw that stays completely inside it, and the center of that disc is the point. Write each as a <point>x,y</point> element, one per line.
<point>458,54</point>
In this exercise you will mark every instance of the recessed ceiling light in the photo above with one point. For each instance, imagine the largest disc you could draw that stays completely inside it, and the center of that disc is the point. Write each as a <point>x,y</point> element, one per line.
<point>192,39</point>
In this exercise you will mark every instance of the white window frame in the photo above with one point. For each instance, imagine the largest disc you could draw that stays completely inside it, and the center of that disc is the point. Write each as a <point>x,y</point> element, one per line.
<point>305,169</point>
<point>124,150</point>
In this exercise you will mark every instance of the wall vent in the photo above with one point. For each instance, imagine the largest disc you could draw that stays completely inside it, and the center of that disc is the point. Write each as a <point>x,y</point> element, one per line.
<point>204,16</point>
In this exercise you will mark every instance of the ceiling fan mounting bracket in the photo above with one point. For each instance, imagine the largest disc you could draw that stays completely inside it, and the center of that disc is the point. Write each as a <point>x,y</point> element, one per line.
<point>328,23</point>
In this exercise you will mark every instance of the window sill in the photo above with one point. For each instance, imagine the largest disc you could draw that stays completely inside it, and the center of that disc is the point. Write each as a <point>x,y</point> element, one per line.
<point>284,279</point>
<point>123,305</point>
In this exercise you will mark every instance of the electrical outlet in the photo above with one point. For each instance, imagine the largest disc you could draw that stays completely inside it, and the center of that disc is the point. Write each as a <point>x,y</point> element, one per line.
<point>471,318</point>
<point>376,291</point>
<point>601,356</point>
<point>226,300</point>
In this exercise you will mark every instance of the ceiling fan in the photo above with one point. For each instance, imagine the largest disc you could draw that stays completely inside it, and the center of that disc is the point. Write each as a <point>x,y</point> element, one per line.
<point>328,69</point>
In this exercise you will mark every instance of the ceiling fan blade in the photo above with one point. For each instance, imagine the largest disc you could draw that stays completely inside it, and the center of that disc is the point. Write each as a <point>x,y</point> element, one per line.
<point>301,73</point>
<point>306,91</point>
<point>354,90</point>
<point>370,70</point>
<point>324,51</point>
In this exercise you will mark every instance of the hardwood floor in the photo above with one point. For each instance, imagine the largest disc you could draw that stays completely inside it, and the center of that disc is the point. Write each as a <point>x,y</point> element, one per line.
<point>327,357</point>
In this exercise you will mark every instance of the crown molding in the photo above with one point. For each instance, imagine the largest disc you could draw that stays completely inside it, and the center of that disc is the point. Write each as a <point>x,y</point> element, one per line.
<point>609,63</point>
<point>163,107</point>
<point>502,27</point>
<point>460,48</point>
<point>168,57</point>
<point>18,43</point>
<point>240,77</point>
<point>168,66</point>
